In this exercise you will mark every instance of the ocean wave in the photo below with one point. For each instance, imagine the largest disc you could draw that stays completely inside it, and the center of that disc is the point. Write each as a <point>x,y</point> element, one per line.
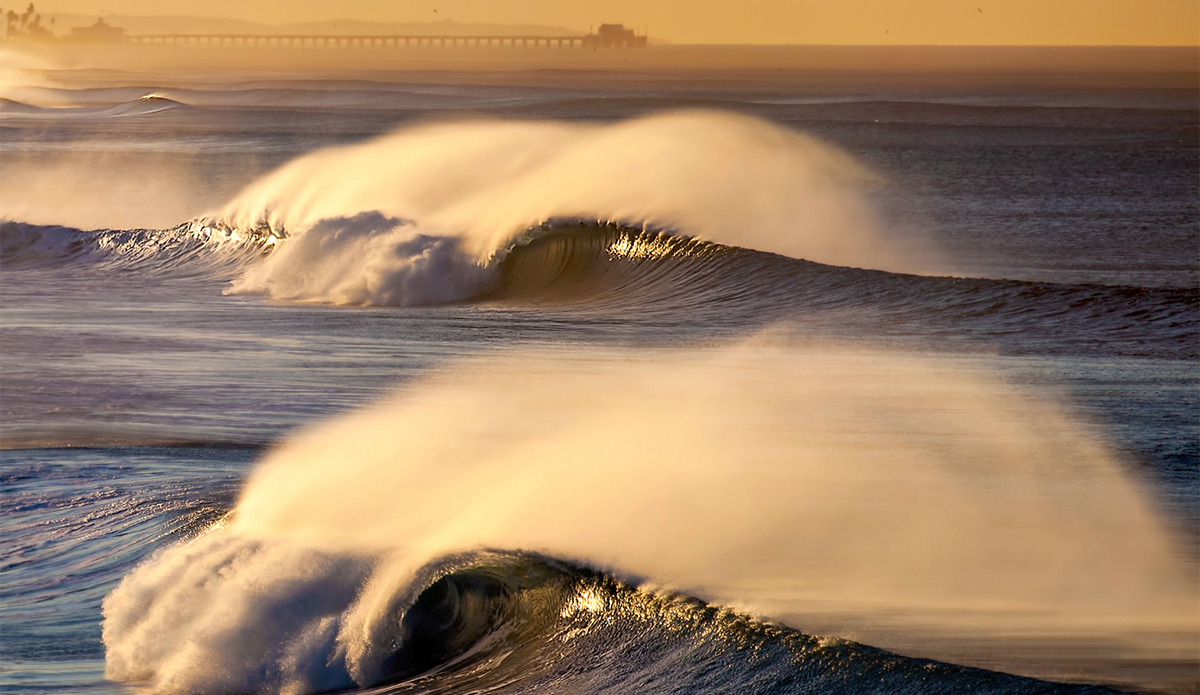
<point>718,218</point>
<point>12,106</point>
<point>577,266</point>
<point>145,105</point>
<point>424,215</point>
<point>520,520</point>
<point>728,179</point>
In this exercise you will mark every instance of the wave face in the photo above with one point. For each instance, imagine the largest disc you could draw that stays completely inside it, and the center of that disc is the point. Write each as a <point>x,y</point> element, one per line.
<point>607,268</point>
<point>521,520</point>
<point>193,248</point>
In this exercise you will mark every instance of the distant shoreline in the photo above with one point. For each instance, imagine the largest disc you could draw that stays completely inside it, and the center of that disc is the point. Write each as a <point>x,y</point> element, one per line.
<point>1130,66</point>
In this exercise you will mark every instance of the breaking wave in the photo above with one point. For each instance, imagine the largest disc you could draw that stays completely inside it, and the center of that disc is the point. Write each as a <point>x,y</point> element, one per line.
<point>717,218</point>
<point>427,214</point>
<point>728,179</point>
<point>522,521</point>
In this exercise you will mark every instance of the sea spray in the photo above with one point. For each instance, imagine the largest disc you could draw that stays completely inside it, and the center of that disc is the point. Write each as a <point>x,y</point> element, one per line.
<point>793,482</point>
<point>369,220</point>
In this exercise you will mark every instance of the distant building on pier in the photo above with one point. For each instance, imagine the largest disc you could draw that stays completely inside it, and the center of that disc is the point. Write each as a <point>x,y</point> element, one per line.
<point>100,32</point>
<point>614,36</point>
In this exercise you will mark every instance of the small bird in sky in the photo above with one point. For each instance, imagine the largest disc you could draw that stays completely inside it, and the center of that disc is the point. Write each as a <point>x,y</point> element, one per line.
<point>980,11</point>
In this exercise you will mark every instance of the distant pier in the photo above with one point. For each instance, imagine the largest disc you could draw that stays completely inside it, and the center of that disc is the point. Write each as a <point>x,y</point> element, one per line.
<point>344,41</point>
<point>609,36</point>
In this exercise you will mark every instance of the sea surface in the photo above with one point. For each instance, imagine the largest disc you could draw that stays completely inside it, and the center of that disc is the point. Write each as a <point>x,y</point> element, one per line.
<point>449,383</point>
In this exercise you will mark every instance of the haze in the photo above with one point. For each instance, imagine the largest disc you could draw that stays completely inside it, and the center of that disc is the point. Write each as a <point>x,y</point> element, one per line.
<point>851,22</point>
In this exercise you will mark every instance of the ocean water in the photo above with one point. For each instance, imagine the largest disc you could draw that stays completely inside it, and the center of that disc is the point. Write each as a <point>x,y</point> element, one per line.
<point>417,383</point>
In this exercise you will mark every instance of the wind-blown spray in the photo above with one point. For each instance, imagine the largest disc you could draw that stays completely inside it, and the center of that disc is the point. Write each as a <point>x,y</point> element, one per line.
<point>423,214</point>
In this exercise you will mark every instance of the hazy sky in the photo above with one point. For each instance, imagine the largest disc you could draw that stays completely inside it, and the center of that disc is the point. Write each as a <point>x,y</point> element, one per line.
<point>1013,22</point>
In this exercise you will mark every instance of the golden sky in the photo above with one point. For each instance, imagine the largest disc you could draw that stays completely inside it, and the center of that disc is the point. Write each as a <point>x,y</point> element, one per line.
<point>861,22</point>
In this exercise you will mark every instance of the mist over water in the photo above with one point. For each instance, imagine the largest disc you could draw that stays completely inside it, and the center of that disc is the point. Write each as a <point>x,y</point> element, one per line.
<point>794,482</point>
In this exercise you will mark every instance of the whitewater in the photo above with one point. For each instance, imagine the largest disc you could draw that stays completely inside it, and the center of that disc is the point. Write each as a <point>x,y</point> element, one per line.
<point>316,385</point>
